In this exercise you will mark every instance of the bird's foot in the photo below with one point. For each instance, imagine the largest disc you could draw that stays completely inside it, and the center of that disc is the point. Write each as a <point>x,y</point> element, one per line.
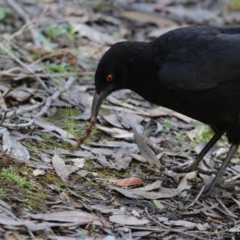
<point>229,187</point>
<point>202,192</point>
<point>206,190</point>
<point>191,168</point>
<point>182,169</point>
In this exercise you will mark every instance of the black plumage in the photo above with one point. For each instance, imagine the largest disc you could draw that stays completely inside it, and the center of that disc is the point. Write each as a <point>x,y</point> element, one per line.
<point>192,70</point>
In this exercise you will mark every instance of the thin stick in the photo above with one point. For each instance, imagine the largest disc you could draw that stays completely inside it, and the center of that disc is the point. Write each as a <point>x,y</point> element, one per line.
<point>197,197</point>
<point>46,106</point>
<point>25,66</point>
<point>173,230</point>
<point>26,19</point>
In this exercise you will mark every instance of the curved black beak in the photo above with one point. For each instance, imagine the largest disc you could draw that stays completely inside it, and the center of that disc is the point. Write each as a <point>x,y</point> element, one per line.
<point>98,99</point>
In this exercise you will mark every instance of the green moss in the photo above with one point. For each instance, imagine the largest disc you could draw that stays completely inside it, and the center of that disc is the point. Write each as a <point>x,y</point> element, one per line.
<point>181,135</point>
<point>92,184</point>
<point>166,125</point>
<point>104,111</point>
<point>53,31</point>
<point>4,11</point>
<point>13,185</point>
<point>11,50</point>
<point>49,142</point>
<point>33,200</point>
<point>2,193</point>
<point>55,67</point>
<point>98,5</point>
<point>234,4</point>
<point>112,173</point>
<point>203,133</point>
<point>70,125</point>
<point>88,165</point>
<point>51,178</point>
<point>10,175</point>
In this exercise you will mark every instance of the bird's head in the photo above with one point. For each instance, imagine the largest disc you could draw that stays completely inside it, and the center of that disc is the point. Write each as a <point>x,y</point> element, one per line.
<point>124,66</point>
<point>112,74</point>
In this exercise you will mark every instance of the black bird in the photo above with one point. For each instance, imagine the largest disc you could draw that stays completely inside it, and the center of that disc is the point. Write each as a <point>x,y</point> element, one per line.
<point>194,71</point>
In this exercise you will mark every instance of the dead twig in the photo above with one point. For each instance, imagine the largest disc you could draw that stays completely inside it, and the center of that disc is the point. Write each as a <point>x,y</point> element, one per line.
<point>228,212</point>
<point>46,106</point>
<point>197,197</point>
<point>25,66</point>
<point>23,110</point>
<point>8,73</point>
<point>26,19</point>
<point>171,229</point>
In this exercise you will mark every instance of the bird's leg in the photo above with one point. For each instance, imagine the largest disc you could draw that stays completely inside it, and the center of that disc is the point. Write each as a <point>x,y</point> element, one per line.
<point>208,190</point>
<point>194,165</point>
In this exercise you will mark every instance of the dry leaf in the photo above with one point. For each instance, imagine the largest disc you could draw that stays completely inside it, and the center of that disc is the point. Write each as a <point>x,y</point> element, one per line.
<point>92,34</point>
<point>79,217</point>
<point>11,146</point>
<point>38,172</point>
<point>128,220</point>
<point>184,183</point>
<point>145,17</point>
<point>60,167</point>
<point>129,181</point>
<point>147,152</point>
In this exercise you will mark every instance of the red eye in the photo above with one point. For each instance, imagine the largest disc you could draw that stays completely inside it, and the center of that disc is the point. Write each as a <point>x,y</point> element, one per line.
<point>109,77</point>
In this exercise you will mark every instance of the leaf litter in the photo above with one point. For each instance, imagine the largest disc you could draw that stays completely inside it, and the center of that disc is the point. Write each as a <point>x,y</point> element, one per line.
<point>115,184</point>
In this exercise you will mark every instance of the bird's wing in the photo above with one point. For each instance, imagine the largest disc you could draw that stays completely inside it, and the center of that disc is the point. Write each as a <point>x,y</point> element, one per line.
<point>199,58</point>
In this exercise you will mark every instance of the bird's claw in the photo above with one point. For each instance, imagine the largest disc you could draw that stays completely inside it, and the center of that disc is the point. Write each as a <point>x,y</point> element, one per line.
<point>181,169</point>
<point>203,192</point>
<point>191,168</point>
<point>206,190</point>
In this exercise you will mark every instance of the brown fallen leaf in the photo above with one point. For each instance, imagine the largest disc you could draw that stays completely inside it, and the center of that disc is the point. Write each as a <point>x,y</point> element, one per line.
<point>129,181</point>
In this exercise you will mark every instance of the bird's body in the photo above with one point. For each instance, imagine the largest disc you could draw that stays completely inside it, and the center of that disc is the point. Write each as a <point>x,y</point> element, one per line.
<point>193,70</point>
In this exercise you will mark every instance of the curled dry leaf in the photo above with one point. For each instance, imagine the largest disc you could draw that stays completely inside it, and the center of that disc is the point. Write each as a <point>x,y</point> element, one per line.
<point>129,181</point>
